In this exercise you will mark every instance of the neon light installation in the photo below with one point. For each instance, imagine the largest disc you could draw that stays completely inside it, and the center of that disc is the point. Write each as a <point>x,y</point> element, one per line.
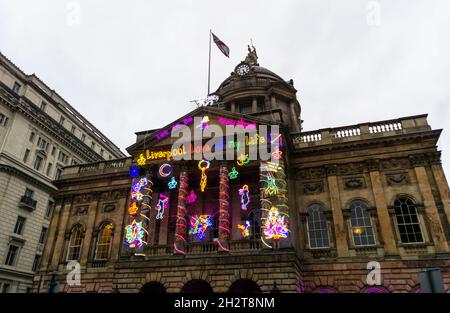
<point>141,160</point>
<point>274,225</point>
<point>224,205</point>
<point>203,165</point>
<point>191,198</point>
<point>204,123</point>
<point>134,171</point>
<point>276,155</point>
<point>161,206</point>
<point>233,174</point>
<point>245,196</point>
<point>173,183</point>
<point>137,187</point>
<point>225,121</point>
<point>243,160</point>
<point>133,209</point>
<point>180,228</point>
<point>245,229</point>
<point>165,170</point>
<point>199,224</point>
<point>134,235</point>
<point>271,185</point>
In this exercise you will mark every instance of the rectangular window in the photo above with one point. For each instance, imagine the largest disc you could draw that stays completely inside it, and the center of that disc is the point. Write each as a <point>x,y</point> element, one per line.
<point>37,163</point>
<point>49,211</point>
<point>72,130</point>
<point>25,156</point>
<point>245,108</point>
<point>43,106</point>
<point>5,288</point>
<point>43,144</point>
<point>62,157</point>
<point>83,137</point>
<point>93,145</point>
<point>58,173</point>
<point>3,120</point>
<point>53,151</point>
<point>32,136</point>
<point>29,193</point>
<point>16,88</point>
<point>18,229</point>
<point>12,254</point>
<point>101,152</point>
<point>36,262</point>
<point>49,169</point>
<point>61,120</point>
<point>43,235</point>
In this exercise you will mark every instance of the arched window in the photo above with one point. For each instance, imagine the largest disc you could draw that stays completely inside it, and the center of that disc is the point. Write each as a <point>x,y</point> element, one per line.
<point>104,242</point>
<point>255,223</point>
<point>407,220</point>
<point>75,243</point>
<point>362,229</point>
<point>317,227</point>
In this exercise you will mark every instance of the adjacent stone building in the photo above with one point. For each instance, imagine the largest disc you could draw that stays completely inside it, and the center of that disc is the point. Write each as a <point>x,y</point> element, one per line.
<point>40,133</point>
<point>348,196</point>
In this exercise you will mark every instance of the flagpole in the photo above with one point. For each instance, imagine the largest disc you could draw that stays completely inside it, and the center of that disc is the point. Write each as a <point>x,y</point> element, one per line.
<point>209,63</point>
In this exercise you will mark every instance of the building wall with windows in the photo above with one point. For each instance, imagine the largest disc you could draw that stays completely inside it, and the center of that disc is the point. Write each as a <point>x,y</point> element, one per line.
<point>360,196</point>
<point>40,133</point>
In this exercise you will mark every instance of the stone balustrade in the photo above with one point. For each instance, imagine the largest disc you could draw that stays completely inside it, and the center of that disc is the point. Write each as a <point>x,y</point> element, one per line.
<point>97,168</point>
<point>361,131</point>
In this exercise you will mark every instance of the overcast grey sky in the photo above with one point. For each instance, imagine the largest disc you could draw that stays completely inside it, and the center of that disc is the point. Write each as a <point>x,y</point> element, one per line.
<point>134,65</point>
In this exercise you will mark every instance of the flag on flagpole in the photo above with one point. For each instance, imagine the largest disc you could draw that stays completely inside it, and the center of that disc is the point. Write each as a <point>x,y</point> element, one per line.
<point>222,47</point>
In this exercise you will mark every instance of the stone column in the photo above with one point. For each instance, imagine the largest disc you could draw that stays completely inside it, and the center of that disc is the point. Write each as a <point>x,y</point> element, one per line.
<point>336,209</point>
<point>88,243</point>
<point>57,254</point>
<point>233,107</point>
<point>294,118</point>
<point>441,182</point>
<point>436,229</point>
<point>180,235</point>
<point>254,105</point>
<point>385,222</point>
<point>273,102</point>
<point>224,206</point>
<point>52,235</point>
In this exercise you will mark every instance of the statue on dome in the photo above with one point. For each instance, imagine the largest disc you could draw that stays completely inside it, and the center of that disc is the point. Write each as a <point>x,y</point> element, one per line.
<point>252,57</point>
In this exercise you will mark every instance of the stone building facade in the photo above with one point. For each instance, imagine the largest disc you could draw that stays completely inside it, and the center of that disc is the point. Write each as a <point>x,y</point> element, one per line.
<point>353,198</point>
<point>40,133</point>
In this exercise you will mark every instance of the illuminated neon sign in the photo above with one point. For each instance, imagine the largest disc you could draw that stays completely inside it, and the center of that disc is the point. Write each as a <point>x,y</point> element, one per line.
<point>245,229</point>
<point>225,121</point>
<point>191,197</point>
<point>133,209</point>
<point>245,197</point>
<point>161,206</point>
<point>203,165</point>
<point>134,234</point>
<point>274,225</point>
<point>233,174</point>
<point>165,170</point>
<point>136,189</point>
<point>172,184</point>
<point>199,225</point>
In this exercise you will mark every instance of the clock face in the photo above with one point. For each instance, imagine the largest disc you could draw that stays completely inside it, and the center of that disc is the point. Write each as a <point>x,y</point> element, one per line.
<point>242,69</point>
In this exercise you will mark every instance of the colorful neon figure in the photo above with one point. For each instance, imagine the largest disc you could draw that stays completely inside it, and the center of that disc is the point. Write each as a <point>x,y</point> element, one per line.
<point>142,160</point>
<point>136,194</point>
<point>133,209</point>
<point>245,229</point>
<point>160,207</point>
<point>245,197</point>
<point>277,154</point>
<point>271,188</point>
<point>173,183</point>
<point>203,165</point>
<point>243,159</point>
<point>191,198</point>
<point>204,123</point>
<point>165,170</point>
<point>134,171</point>
<point>274,225</point>
<point>199,224</point>
<point>134,235</point>
<point>233,174</point>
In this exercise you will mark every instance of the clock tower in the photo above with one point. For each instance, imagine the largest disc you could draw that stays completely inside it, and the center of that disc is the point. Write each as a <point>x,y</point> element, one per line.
<point>254,90</point>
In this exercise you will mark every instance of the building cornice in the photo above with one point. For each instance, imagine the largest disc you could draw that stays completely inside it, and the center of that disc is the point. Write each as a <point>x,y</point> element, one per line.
<point>27,177</point>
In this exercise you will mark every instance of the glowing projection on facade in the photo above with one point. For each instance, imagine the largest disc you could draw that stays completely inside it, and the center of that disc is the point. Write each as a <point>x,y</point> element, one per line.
<point>134,235</point>
<point>244,192</point>
<point>172,184</point>
<point>191,198</point>
<point>245,229</point>
<point>233,174</point>
<point>161,206</point>
<point>274,225</point>
<point>199,225</point>
<point>136,189</point>
<point>165,170</point>
<point>203,165</point>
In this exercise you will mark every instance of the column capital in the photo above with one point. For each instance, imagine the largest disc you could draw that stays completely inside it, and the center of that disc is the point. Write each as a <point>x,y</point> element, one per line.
<point>331,169</point>
<point>373,165</point>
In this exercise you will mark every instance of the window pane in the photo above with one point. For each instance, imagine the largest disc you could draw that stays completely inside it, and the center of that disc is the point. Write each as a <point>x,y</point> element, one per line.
<point>361,222</point>
<point>407,220</point>
<point>317,227</point>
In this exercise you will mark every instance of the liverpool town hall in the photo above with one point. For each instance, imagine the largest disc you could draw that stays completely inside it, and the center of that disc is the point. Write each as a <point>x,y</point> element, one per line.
<point>328,208</point>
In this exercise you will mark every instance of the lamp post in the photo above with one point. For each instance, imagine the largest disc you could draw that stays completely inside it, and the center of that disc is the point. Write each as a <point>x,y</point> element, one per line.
<point>275,288</point>
<point>53,283</point>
